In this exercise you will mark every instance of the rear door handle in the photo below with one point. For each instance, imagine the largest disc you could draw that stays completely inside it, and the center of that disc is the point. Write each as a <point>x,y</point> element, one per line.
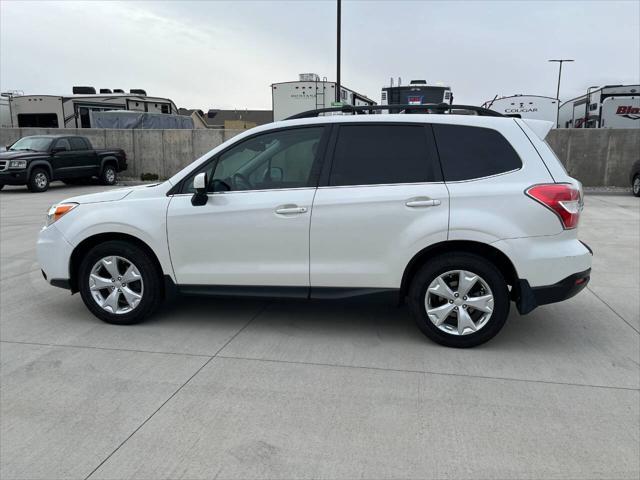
<point>290,209</point>
<point>422,202</point>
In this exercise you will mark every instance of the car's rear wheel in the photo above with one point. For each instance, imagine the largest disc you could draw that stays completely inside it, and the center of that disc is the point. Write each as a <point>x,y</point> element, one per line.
<point>108,175</point>
<point>459,300</point>
<point>119,282</point>
<point>636,185</point>
<point>38,181</point>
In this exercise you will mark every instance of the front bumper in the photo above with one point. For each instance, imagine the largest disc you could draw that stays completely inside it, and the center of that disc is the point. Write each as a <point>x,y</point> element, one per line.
<point>54,254</point>
<point>13,177</point>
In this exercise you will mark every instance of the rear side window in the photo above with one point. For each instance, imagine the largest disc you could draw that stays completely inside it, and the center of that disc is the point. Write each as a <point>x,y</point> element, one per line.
<point>384,154</point>
<point>78,143</point>
<point>473,152</point>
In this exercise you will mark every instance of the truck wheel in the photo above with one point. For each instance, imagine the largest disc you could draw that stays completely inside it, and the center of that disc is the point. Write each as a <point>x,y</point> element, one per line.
<point>636,185</point>
<point>459,300</point>
<point>38,181</point>
<point>108,175</point>
<point>119,282</point>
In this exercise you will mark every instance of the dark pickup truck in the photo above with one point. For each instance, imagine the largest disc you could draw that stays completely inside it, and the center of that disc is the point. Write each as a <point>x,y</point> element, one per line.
<point>37,160</point>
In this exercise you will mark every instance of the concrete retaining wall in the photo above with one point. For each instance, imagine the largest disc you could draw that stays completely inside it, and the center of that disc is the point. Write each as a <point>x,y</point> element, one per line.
<point>162,152</point>
<point>596,157</point>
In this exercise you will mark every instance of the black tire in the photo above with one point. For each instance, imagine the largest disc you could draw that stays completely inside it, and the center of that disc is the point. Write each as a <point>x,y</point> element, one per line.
<point>635,186</point>
<point>109,175</point>
<point>151,280</point>
<point>38,180</point>
<point>471,263</point>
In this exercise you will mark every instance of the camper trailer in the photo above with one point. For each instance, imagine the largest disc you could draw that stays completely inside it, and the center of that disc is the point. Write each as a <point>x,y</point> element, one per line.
<point>611,106</point>
<point>310,92</point>
<point>535,107</point>
<point>74,111</point>
<point>416,93</point>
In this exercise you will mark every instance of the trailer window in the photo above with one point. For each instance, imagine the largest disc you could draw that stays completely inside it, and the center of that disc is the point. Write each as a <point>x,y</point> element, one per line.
<point>45,120</point>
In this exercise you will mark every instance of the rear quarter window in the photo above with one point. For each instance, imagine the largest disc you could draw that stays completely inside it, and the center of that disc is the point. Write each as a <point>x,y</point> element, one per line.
<point>468,152</point>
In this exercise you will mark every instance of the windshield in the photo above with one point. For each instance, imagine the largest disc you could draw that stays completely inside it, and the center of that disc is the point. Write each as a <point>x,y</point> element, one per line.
<point>32,144</point>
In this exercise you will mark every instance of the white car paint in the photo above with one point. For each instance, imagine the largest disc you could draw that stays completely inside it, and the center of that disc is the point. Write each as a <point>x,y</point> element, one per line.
<point>357,236</point>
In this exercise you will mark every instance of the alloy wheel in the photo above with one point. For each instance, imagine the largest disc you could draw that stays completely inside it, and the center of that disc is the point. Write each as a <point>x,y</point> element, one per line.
<point>459,302</point>
<point>116,284</point>
<point>40,180</point>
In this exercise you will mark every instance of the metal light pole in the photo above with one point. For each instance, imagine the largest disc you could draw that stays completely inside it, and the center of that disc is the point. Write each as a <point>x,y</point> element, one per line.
<point>339,14</point>
<point>586,108</point>
<point>560,61</point>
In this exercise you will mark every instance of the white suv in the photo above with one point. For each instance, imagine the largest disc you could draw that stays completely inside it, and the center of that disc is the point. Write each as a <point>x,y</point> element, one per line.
<point>458,214</point>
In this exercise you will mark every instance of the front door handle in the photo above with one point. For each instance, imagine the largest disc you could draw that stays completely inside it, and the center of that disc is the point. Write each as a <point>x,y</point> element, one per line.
<point>290,209</point>
<point>422,202</point>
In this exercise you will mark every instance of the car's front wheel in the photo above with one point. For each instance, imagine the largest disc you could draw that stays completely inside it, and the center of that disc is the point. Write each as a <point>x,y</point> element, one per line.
<point>38,181</point>
<point>636,185</point>
<point>459,300</point>
<point>119,282</point>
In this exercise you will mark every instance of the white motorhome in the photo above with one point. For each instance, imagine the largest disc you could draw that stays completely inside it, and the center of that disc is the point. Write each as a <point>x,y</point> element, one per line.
<point>611,106</point>
<point>536,107</point>
<point>416,93</point>
<point>74,111</point>
<point>310,93</point>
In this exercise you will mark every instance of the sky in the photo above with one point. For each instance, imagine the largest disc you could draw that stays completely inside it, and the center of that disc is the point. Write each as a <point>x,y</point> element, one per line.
<point>226,54</point>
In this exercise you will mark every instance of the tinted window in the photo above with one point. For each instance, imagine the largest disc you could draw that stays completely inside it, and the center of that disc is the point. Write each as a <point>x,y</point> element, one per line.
<point>77,143</point>
<point>63,143</point>
<point>282,159</point>
<point>473,152</point>
<point>383,154</point>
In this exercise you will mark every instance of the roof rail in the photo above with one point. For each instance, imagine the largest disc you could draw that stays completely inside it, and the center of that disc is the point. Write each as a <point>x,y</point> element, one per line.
<point>423,108</point>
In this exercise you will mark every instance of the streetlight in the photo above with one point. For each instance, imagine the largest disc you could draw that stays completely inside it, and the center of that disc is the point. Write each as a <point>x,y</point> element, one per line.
<point>339,15</point>
<point>560,61</point>
<point>586,108</point>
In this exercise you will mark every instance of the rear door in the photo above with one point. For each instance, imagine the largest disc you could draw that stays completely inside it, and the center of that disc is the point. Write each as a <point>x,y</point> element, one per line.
<point>382,201</point>
<point>86,158</point>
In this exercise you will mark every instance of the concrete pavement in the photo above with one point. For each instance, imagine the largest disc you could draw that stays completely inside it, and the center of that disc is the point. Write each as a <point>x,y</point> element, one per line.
<point>290,389</point>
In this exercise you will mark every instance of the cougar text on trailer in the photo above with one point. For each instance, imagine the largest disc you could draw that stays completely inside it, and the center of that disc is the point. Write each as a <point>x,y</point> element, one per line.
<point>535,107</point>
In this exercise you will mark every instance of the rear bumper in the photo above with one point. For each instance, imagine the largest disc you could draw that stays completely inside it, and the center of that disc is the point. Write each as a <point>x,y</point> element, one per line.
<point>527,298</point>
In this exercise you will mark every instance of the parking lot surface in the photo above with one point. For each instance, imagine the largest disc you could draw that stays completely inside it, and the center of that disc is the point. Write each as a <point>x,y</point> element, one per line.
<point>212,388</point>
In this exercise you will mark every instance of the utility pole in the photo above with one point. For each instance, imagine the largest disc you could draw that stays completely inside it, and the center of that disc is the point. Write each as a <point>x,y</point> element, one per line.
<point>560,61</point>
<point>339,14</point>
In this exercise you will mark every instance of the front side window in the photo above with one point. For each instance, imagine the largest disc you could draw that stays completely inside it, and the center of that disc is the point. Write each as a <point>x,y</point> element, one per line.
<point>384,154</point>
<point>473,152</point>
<point>282,159</point>
<point>34,144</point>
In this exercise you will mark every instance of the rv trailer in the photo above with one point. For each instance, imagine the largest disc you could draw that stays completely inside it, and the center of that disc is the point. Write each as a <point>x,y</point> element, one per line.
<point>536,107</point>
<point>611,106</point>
<point>416,93</point>
<point>74,111</point>
<point>310,92</point>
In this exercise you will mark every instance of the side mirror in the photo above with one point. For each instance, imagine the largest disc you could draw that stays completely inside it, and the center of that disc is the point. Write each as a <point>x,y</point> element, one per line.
<point>276,174</point>
<point>55,150</point>
<point>200,184</point>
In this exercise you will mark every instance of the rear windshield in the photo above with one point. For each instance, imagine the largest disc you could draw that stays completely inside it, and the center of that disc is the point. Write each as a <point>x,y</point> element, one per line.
<point>473,152</point>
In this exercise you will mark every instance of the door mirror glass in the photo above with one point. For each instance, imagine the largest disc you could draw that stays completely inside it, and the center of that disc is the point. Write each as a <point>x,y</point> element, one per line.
<point>58,149</point>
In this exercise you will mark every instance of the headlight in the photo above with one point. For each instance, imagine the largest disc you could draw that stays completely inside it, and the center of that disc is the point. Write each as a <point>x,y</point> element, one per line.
<point>17,164</point>
<point>56,212</point>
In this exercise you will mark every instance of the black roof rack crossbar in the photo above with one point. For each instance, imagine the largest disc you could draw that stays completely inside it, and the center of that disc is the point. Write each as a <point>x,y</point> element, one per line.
<point>423,108</point>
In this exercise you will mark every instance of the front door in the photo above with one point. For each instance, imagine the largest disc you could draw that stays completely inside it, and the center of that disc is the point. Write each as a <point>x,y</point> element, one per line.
<point>254,228</point>
<point>64,161</point>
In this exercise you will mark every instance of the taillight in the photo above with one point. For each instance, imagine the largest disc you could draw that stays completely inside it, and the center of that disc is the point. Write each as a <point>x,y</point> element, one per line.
<point>563,199</point>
